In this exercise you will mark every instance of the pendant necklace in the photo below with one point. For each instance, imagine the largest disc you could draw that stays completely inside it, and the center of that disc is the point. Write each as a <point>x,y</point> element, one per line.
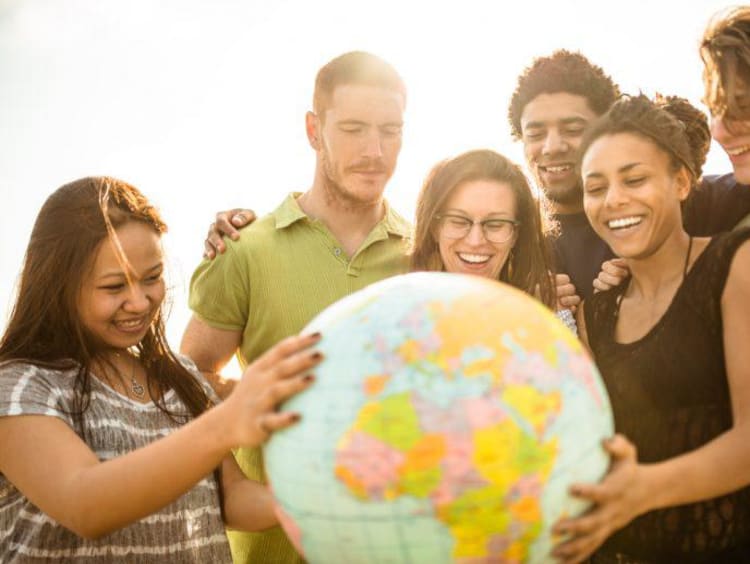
<point>135,386</point>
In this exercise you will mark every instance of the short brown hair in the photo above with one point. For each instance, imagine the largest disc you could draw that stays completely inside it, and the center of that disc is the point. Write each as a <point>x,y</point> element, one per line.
<point>725,51</point>
<point>354,67</point>
<point>528,266</point>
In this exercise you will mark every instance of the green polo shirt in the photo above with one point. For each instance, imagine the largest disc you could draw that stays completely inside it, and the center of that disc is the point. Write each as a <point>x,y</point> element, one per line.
<point>284,270</point>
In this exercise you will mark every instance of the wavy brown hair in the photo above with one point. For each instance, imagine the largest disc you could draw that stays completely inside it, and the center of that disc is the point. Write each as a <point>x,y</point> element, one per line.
<point>725,50</point>
<point>528,266</point>
<point>45,327</point>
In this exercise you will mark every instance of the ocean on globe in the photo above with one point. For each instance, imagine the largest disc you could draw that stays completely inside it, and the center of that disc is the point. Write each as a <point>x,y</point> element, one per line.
<point>448,419</point>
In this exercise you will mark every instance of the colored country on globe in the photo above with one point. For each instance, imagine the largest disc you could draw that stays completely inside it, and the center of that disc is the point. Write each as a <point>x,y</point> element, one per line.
<point>448,419</point>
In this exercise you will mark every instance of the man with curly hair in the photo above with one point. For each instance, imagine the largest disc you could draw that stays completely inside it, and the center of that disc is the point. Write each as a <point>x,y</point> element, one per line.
<point>555,100</point>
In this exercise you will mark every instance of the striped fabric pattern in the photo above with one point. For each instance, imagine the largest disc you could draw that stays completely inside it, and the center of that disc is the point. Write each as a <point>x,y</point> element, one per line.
<point>188,530</point>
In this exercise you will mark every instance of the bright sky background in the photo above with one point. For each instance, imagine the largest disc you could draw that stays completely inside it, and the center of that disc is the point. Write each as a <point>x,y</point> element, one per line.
<point>201,103</point>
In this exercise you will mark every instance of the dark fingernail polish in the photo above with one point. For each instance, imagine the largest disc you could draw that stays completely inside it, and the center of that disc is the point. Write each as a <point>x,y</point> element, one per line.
<point>294,417</point>
<point>317,355</point>
<point>316,335</point>
<point>308,378</point>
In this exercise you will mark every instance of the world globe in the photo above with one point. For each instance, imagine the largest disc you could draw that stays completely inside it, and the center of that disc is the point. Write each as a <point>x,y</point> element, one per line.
<point>447,421</point>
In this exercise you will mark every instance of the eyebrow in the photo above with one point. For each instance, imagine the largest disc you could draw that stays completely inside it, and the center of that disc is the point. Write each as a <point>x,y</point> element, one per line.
<point>563,121</point>
<point>456,211</point>
<point>121,274</point>
<point>622,169</point>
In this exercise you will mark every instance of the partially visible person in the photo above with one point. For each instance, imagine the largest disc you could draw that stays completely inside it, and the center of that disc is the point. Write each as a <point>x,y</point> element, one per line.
<point>556,98</point>
<point>111,448</point>
<point>318,246</point>
<point>476,214</point>
<point>671,345</point>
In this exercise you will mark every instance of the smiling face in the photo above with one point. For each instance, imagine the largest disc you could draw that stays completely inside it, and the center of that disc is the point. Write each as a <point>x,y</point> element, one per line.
<point>115,313</point>
<point>734,138</point>
<point>477,200</point>
<point>632,193</point>
<point>551,129</point>
<point>358,140</point>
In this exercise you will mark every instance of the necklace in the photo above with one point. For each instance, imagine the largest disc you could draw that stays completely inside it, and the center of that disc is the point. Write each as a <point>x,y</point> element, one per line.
<point>137,389</point>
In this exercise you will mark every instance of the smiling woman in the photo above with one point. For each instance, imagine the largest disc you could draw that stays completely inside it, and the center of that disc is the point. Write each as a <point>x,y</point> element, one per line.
<point>671,345</point>
<point>476,214</point>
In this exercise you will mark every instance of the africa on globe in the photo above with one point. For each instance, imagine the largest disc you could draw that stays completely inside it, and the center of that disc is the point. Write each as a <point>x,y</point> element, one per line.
<point>447,421</point>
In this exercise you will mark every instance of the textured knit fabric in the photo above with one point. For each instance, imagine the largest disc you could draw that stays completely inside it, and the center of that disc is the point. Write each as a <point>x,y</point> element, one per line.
<point>188,530</point>
<point>670,395</point>
<point>284,270</point>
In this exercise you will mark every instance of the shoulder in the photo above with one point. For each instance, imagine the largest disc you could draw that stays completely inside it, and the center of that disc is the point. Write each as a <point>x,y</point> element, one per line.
<point>191,367</point>
<point>27,388</point>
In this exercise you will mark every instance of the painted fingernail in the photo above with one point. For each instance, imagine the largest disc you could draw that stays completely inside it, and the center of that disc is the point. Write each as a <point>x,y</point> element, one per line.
<point>316,355</point>
<point>308,378</point>
<point>294,417</point>
<point>317,335</point>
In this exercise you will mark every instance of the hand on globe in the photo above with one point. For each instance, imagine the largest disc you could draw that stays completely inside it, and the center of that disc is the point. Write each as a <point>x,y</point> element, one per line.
<point>274,377</point>
<point>620,497</point>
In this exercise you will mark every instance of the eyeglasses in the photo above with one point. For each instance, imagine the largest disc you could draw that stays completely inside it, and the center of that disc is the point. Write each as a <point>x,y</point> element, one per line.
<point>454,226</point>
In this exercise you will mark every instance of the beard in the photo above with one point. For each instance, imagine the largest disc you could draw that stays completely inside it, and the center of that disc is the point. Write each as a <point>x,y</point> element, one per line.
<point>336,192</point>
<point>567,196</point>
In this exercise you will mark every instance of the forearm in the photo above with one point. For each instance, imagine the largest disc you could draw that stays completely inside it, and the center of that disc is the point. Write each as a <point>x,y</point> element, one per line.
<point>109,495</point>
<point>222,386</point>
<point>248,506</point>
<point>717,468</point>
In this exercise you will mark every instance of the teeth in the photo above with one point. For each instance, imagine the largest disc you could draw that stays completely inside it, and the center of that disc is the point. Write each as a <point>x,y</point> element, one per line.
<point>558,168</point>
<point>622,222</point>
<point>130,324</point>
<point>737,150</point>
<point>476,259</point>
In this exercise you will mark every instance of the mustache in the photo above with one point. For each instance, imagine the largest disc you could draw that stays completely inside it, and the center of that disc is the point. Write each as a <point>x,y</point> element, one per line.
<point>368,165</point>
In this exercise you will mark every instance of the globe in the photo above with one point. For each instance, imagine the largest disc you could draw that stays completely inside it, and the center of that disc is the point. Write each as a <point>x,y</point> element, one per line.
<point>448,419</point>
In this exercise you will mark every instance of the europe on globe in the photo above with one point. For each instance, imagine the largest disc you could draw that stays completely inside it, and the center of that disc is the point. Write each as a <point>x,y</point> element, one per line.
<point>447,421</point>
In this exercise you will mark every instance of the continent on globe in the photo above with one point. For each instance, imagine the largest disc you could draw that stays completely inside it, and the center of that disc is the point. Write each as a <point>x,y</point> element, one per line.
<point>448,419</point>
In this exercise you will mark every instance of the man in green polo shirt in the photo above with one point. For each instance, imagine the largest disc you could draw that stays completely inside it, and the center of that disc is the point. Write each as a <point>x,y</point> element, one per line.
<point>316,247</point>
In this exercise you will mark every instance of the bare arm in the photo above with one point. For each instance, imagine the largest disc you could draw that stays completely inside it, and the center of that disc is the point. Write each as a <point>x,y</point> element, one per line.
<point>93,498</point>
<point>631,489</point>
<point>248,505</point>
<point>211,349</point>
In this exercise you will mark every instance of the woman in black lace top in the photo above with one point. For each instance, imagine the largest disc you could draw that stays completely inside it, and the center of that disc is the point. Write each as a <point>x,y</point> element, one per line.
<point>673,346</point>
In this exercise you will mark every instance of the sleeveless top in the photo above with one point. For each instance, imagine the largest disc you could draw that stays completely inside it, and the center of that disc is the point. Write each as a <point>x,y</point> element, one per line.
<point>670,395</point>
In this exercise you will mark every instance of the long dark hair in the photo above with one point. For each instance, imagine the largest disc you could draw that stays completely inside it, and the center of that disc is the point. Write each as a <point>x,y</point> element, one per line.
<point>44,327</point>
<point>528,266</point>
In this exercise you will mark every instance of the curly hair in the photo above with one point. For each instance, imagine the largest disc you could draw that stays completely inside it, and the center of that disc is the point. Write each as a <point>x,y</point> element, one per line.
<point>672,123</point>
<point>725,50</point>
<point>562,71</point>
<point>529,265</point>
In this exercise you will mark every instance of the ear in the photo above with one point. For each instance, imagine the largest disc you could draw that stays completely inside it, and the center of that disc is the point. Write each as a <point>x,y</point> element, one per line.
<point>683,180</point>
<point>313,130</point>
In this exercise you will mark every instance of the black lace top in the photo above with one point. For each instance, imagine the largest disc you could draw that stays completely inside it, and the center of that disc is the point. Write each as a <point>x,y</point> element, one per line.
<point>670,395</point>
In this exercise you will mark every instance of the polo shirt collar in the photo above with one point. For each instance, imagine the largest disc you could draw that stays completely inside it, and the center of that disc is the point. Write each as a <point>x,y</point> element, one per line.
<point>289,212</point>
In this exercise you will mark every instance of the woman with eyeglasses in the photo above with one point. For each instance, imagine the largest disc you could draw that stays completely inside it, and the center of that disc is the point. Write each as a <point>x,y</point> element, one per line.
<point>476,214</point>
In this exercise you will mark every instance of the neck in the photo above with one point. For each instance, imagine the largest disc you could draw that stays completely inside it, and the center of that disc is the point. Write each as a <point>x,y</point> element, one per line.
<point>662,270</point>
<point>560,208</point>
<point>349,222</point>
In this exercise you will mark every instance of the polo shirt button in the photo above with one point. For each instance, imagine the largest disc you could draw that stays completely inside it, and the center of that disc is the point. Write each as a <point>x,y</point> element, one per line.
<point>337,251</point>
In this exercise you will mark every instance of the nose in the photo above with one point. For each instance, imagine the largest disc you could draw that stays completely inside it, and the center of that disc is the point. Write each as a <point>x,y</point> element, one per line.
<point>475,236</point>
<point>554,143</point>
<point>616,195</point>
<point>373,147</point>
<point>138,299</point>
